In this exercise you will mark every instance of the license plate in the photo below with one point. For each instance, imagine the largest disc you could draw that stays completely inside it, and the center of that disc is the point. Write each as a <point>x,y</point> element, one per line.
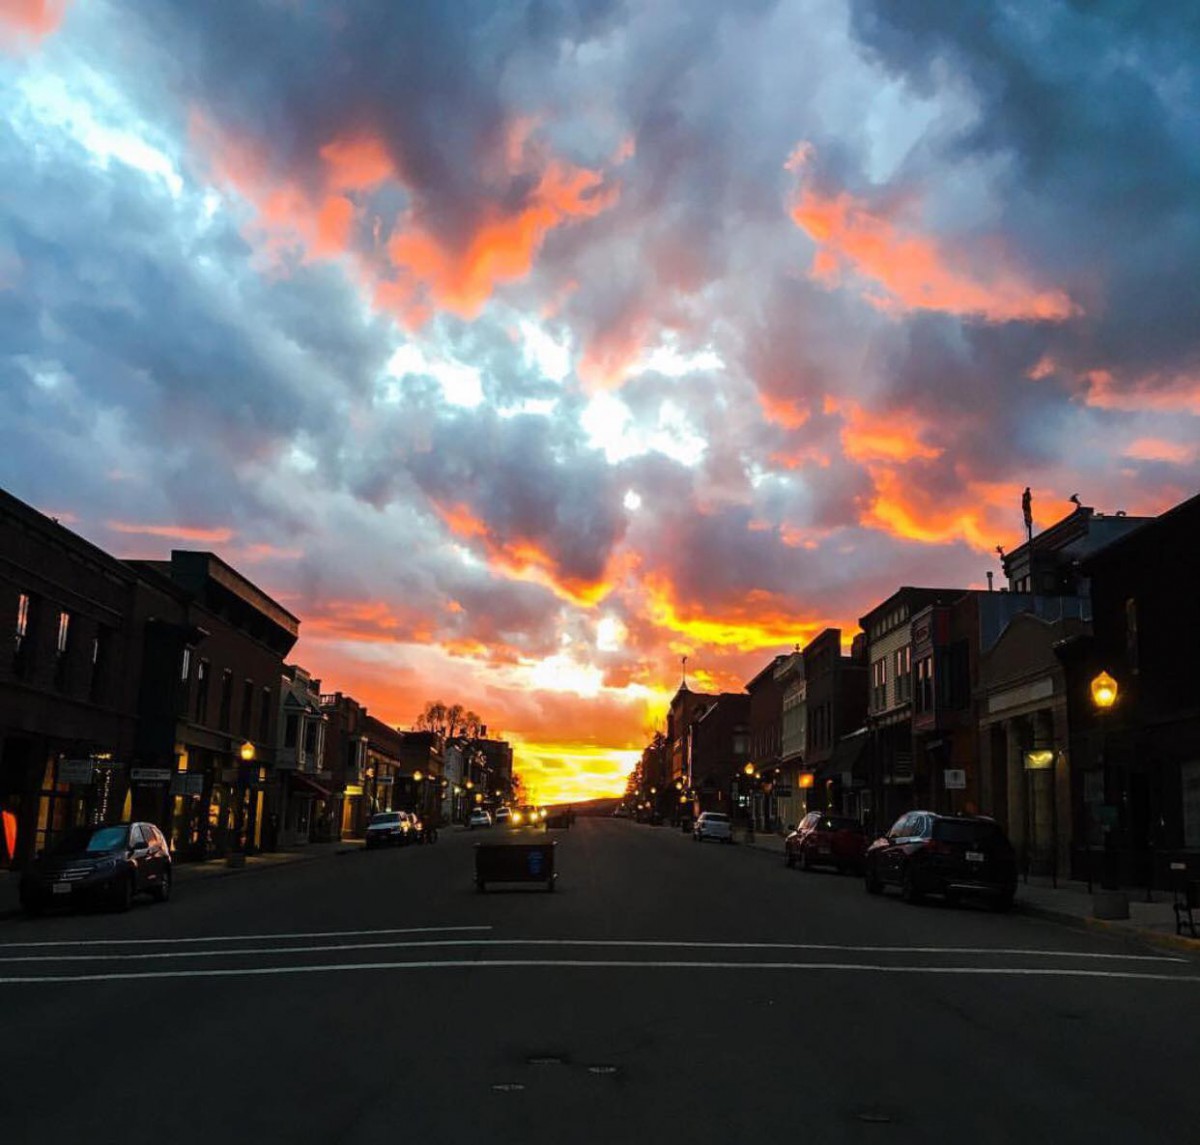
<point>975,856</point>
<point>61,888</point>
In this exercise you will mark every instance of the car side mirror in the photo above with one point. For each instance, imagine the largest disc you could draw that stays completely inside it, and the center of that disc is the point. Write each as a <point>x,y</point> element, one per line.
<point>791,827</point>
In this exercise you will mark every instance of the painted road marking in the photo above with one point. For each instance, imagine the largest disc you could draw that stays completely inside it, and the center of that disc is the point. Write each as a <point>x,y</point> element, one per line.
<point>616,964</point>
<point>240,937</point>
<point>578,942</point>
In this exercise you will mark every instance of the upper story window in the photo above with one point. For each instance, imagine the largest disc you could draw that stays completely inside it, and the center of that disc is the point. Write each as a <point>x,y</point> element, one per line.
<point>289,730</point>
<point>247,712</point>
<point>923,697</point>
<point>185,665</point>
<point>879,684</point>
<point>62,642</point>
<point>264,716</point>
<point>1131,634</point>
<point>203,668</point>
<point>22,619</point>
<point>226,699</point>
<point>101,644</point>
<point>22,649</point>
<point>903,674</point>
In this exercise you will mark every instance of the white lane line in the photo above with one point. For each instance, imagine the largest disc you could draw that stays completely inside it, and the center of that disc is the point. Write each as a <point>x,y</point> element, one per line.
<point>239,937</point>
<point>442,943</point>
<point>616,964</point>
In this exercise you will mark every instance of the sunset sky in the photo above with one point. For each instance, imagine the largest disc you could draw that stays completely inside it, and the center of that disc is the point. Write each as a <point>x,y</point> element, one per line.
<point>522,347</point>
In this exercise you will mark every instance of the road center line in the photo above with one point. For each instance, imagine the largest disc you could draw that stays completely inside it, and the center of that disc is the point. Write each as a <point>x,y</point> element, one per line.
<point>240,937</point>
<point>245,952</point>
<point>621,964</point>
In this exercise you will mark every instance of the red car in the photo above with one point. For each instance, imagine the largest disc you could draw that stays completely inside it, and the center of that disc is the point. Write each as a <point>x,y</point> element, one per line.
<point>826,840</point>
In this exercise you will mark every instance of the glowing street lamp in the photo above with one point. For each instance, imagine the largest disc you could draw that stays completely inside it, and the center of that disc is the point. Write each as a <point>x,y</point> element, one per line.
<point>1104,696</point>
<point>1104,691</point>
<point>247,752</point>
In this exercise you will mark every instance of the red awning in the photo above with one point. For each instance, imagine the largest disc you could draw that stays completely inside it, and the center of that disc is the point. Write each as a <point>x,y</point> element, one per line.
<point>302,782</point>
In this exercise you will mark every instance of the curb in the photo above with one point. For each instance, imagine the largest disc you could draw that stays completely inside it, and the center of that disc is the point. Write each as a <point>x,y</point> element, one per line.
<point>1104,926</point>
<point>193,872</point>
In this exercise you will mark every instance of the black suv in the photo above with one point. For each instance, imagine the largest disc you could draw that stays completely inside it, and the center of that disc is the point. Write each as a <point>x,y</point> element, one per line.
<point>105,865</point>
<point>951,855</point>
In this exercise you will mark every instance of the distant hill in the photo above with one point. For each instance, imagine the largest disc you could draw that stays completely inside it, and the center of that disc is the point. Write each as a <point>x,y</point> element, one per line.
<point>590,807</point>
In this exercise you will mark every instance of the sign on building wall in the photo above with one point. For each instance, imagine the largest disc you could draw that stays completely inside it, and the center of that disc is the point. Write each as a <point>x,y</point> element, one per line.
<point>75,770</point>
<point>955,778</point>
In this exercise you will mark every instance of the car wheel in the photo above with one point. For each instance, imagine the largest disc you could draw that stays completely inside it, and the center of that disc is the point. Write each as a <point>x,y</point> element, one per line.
<point>124,896</point>
<point>32,907</point>
<point>789,859</point>
<point>805,859</point>
<point>162,892</point>
<point>952,897</point>
<point>1003,902</point>
<point>871,880</point>
<point>909,891</point>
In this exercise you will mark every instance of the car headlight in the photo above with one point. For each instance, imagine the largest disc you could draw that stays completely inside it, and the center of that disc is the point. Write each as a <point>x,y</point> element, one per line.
<point>106,867</point>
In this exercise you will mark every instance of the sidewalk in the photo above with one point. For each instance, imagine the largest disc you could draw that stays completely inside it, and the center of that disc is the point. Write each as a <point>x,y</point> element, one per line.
<point>1069,903</point>
<point>10,903</point>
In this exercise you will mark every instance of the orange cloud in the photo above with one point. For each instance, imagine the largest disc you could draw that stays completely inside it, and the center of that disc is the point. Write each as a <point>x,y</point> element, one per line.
<point>521,558</point>
<point>894,436</point>
<point>912,271</point>
<point>358,163</point>
<point>1157,449</point>
<point>25,20</point>
<point>1178,393</point>
<point>502,248</point>
<point>759,620</point>
<point>426,269</point>
<point>175,532</point>
<point>981,514</point>
<point>784,412</point>
<point>572,772</point>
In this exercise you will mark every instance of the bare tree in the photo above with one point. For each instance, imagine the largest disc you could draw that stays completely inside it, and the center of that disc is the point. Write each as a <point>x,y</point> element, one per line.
<point>449,721</point>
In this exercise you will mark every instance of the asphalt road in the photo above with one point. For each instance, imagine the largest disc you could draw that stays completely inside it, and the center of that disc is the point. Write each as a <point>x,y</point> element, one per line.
<point>666,992</point>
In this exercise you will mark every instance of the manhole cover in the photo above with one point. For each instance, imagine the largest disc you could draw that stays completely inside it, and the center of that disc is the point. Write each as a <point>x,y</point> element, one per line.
<point>603,1069</point>
<point>507,1086</point>
<point>546,1059</point>
<point>876,1116</point>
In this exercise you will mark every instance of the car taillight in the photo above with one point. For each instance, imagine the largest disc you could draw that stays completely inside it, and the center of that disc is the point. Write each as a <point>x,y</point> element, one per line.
<point>938,847</point>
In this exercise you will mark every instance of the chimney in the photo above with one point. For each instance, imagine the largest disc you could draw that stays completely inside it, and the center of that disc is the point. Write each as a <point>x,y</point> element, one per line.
<point>990,575</point>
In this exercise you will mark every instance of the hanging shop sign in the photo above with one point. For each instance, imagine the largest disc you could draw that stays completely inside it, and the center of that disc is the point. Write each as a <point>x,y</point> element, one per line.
<point>150,774</point>
<point>75,770</point>
<point>955,778</point>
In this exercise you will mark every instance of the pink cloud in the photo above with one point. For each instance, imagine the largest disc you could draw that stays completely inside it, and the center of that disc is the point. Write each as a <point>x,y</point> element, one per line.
<point>908,270</point>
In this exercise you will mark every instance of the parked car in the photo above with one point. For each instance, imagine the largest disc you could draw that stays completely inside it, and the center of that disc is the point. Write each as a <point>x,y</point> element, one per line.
<point>951,855</point>
<point>503,815</point>
<point>102,865</point>
<point>479,818</point>
<point>389,829</point>
<point>826,840</point>
<point>416,825</point>
<point>713,825</point>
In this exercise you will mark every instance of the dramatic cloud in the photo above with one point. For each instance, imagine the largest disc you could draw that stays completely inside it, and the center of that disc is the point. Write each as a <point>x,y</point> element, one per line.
<point>522,347</point>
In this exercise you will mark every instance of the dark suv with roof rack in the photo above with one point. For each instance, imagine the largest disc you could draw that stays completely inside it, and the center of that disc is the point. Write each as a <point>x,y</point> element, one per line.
<point>950,855</point>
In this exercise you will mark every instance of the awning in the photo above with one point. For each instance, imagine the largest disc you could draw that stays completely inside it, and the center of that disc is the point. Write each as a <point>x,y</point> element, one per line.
<point>849,757</point>
<point>302,782</point>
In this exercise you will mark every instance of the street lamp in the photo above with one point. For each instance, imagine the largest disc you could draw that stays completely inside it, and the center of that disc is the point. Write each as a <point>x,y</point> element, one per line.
<point>1104,695</point>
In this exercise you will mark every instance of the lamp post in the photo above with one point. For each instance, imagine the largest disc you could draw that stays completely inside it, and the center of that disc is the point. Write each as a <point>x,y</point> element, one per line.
<point>749,772</point>
<point>1110,902</point>
<point>237,855</point>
